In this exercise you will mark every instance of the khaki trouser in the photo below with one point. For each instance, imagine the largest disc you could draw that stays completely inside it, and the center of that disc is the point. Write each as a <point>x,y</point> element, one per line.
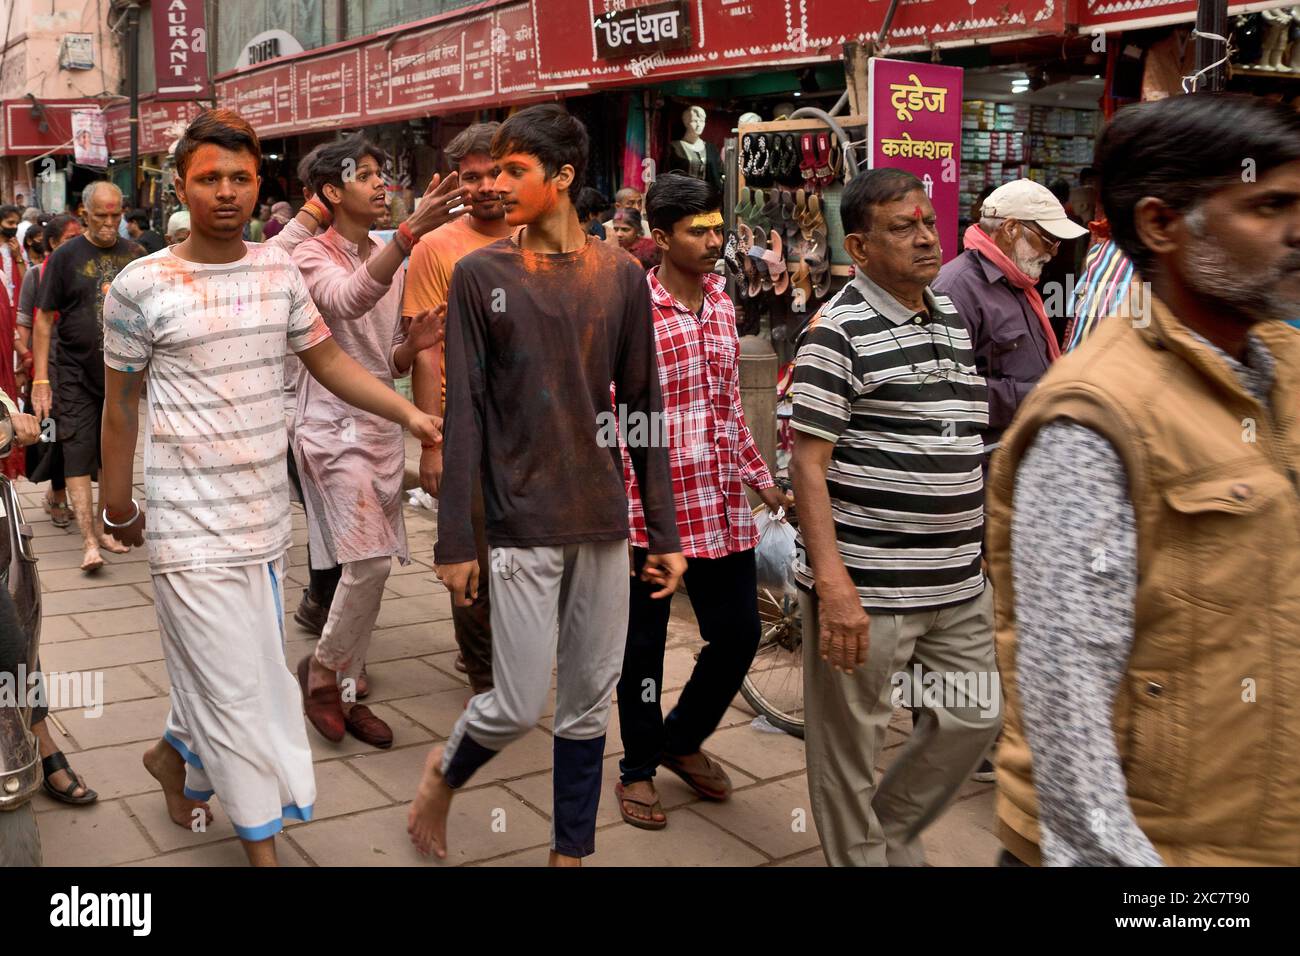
<point>864,820</point>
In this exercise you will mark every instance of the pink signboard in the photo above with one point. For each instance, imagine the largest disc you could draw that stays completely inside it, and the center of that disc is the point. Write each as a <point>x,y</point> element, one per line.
<point>914,121</point>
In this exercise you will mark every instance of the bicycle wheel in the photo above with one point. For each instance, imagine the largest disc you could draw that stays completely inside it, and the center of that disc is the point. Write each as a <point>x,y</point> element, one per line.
<point>774,684</point>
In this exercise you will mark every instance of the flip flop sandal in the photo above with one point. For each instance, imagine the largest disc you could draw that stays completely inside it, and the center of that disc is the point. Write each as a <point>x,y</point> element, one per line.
<point>821,280</point>
<point>762,156</point>
<point>731,254</point>
<point>52,765</point>
<point>761,280</point>
<point>750,285</point>
<point>713,785</point>
<point>822,171</point>
<point>640,822</point>
<point>801,291</point>
<point>808,159</point>
<point>756,217</point>
<point>745,204</point>
<point>772,207</point>
<point>775,259</point>
<point>59,511</point>
<point>836,160</point>
<point>747,155</point>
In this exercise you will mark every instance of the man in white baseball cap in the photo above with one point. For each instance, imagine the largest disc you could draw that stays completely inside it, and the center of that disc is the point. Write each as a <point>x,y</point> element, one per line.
<point>178,227</point>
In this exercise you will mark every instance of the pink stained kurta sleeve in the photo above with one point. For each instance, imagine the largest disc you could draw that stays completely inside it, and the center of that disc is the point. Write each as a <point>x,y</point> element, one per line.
<point>341,294</point>
<point>288,238</point>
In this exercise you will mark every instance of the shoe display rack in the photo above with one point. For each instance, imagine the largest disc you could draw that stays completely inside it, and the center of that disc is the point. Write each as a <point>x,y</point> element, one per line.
<point>786,239</point>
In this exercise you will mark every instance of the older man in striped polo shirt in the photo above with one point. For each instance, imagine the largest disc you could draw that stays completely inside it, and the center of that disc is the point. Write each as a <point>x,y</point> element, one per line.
<point>888,411</point>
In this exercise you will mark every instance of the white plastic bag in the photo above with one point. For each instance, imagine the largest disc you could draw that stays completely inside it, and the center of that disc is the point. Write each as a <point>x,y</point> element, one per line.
<point>419,498</point>
<point>774,554</point>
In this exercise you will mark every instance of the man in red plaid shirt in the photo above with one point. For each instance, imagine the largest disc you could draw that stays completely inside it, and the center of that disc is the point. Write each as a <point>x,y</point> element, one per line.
<point>712,452</point>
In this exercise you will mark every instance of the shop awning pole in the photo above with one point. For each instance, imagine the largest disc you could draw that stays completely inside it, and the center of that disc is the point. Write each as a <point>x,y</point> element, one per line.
<point>133,89</point>
<point>1211,18</point>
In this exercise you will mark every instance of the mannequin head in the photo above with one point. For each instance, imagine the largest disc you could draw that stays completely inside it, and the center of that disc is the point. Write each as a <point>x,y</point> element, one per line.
<point>694,118</point>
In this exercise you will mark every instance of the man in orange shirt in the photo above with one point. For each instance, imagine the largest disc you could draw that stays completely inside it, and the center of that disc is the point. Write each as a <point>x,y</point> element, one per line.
<point>428,277</point>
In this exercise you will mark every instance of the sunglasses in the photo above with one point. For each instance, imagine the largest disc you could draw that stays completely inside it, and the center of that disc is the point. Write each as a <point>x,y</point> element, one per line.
<point>1052,244</point>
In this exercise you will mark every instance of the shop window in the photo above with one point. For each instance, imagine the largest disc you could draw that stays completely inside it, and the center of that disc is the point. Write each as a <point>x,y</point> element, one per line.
<point>312,23</point>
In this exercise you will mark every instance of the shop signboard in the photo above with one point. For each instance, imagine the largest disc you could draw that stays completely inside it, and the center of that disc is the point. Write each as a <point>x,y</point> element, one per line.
<point>327,90</point>
<point>914,123</point>
<point>180,45</point>
<point>161,124</point>
<point>645,29</point>
<point>265,98</point>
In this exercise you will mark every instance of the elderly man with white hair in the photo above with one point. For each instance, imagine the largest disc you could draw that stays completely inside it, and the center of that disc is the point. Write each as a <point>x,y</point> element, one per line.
<point>77,277</point>
<point>992,284</point>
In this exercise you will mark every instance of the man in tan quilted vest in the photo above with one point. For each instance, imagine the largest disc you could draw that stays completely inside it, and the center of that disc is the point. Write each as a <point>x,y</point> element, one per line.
<point>1144,521</point>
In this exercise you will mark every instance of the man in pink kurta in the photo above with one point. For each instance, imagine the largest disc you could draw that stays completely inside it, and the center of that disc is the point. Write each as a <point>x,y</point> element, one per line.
<point>350,462</point>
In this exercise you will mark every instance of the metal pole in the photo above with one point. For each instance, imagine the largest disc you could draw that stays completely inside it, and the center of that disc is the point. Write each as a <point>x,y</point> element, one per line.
<point>1211,17</point>
<point>133,90</point>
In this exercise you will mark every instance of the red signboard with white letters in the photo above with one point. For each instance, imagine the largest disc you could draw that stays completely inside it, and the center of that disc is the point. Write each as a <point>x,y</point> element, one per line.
<point>512,51</point>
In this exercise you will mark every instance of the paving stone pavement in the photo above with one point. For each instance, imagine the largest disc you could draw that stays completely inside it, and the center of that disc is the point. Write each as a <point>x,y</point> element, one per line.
<point>105,624</point>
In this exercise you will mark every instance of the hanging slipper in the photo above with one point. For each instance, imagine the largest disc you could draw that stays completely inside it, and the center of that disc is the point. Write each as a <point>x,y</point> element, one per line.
<point>775,259</point>
<point>751,285</point>
<point>747,155</point>
<point>808,159</point>
<point>757,255</point>
<point>822,170</point>
<point>745,204</point>
<point>771,212</point>
<point>800,287</point>
<point>731,253</point>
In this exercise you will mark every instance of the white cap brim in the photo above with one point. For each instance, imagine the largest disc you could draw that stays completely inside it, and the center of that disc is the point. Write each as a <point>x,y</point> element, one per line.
<point>1063,228</point>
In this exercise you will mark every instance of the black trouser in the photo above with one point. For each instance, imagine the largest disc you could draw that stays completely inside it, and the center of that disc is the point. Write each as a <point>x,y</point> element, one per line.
<point>724,595</point>
<point>320,584</point>
<point>473,624</point>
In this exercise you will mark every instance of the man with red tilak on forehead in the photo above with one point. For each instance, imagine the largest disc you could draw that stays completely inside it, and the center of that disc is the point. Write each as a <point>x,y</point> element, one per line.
<point>209,320</point>
<point>538,326</point>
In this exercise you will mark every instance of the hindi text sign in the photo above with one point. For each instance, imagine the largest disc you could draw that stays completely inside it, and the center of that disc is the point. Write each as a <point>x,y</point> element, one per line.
<point>646,29</point>
<point>914,121</point>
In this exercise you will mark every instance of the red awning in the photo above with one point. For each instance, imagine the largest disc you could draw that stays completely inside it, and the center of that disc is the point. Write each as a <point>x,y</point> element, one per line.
<point>34,127</point>
<point>516,51</point>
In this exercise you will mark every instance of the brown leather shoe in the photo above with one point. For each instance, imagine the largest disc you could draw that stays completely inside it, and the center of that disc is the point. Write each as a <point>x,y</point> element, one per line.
<point>324,706</point>
<point>367,728</point>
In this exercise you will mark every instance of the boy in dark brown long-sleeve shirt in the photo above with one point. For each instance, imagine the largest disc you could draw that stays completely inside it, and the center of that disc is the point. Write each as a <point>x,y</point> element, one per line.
<point>538,326</point>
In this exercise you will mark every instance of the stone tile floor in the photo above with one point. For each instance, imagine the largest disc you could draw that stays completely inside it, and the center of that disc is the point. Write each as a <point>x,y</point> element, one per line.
<point>105,623</point>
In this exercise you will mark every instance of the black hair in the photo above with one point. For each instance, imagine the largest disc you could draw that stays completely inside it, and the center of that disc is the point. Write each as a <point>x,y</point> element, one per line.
<point>1086,174</point>
<point>139,217</point>
<point>34,239</point>
<point>591,203</point>
<point>1182,149</point>
<point>221,127</point>
<point>674,195</point>
<point>303,172</point>
<point>329,163</point>
<point>55,228</point>
<point>8,209</point>
<point>1061,190</point>
<point>549,133</point>
<point>872,188</point>
<point>472,140</point>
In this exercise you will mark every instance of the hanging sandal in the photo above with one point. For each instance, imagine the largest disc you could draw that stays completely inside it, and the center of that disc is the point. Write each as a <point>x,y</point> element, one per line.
<point>775,259</point>
<point>52,765</point>
<point>640,822</point>
<point>59,511</point>
<point>808,159</point>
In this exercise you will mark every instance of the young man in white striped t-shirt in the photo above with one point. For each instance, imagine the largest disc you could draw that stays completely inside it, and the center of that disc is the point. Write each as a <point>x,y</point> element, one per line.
<point>210,320</point>
<point>888,410</point>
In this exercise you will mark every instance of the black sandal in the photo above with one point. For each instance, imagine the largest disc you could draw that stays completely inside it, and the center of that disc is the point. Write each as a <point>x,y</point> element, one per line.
<point>52,765</point>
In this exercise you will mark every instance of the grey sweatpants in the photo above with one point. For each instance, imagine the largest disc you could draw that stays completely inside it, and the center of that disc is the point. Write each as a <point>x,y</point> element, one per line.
<point>566,604</point>
<point>862,818</point>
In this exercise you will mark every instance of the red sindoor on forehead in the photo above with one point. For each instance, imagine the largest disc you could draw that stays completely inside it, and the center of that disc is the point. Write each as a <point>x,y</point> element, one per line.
<point>916,214</point>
